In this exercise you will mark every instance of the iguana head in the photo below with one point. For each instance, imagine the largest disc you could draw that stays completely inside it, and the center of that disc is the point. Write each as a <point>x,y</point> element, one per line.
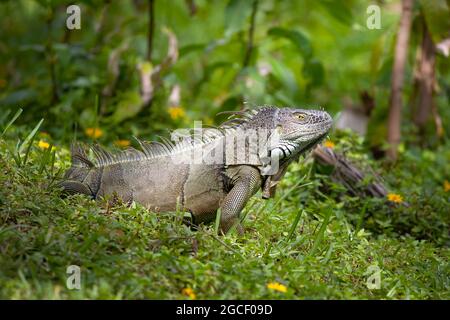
<point>294,132</point>
<point>299,130</point>
<point>286,132</point>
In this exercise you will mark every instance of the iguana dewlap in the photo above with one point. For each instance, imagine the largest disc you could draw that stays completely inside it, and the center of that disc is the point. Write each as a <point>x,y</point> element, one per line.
<point>218,168</point>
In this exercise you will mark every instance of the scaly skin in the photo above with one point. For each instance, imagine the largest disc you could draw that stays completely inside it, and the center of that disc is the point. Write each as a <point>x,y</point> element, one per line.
<point>162,182</point>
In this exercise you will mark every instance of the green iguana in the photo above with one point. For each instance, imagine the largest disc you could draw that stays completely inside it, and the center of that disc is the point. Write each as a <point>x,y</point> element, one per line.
<point>210,169</point>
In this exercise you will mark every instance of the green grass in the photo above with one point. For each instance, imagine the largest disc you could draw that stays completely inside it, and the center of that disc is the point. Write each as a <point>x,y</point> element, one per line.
<point>312,238</point>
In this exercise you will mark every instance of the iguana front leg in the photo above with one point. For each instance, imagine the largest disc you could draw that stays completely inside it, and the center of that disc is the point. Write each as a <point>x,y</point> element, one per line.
<point>246,181</point>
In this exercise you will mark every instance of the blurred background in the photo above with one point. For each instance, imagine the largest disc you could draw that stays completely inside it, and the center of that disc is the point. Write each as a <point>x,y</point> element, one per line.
<point>140,67</point>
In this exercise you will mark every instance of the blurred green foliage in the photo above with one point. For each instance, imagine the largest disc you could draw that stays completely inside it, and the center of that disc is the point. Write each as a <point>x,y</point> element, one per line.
<point>306,53</point>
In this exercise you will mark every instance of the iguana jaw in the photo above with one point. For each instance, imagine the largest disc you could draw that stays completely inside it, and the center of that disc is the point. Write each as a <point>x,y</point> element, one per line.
<point>312,143</point>
<point>270,183</point>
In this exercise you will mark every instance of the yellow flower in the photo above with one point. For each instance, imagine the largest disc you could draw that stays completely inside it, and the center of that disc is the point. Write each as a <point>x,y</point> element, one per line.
<point>446,186</point>
<point>189,293</point>
<point>393,197</point>
<point>122,143</point>
<point>43,145</point>
<point>277,287</point>
<point>176,112</point>
<point>329,144</point>
<point>93,132</point>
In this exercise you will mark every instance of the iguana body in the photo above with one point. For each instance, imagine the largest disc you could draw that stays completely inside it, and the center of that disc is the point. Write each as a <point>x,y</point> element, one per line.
<point>221,169</point>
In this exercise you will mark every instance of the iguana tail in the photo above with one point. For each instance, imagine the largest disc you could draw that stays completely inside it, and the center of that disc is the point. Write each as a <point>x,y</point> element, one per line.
<point>77,178</point>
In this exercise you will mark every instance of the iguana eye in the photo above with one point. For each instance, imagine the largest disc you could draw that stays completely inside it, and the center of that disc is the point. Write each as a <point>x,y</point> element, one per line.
<point>300,116</point>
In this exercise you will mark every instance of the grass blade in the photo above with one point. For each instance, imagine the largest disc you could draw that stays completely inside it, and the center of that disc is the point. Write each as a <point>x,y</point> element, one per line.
<point>29,141</point>
<point>217,223</point>
<point>362,214</point>
<point>18,113</point>
<point>4,116</point>
<point>294,224</point>
<point>30,136</point>
<point>287,193</point>
<point>52,162</point>
<point>267,251</point>
<point>321,231</point>
<point>45,158</point>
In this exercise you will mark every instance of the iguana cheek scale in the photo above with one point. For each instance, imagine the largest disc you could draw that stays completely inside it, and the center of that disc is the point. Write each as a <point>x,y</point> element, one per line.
<point>165,176</point>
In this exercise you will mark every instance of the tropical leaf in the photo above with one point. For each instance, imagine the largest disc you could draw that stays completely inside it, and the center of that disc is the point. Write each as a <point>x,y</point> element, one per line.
<point>236,14</point>
<point>437,16</point>
<point>296,37</point>
<point>314,71</point>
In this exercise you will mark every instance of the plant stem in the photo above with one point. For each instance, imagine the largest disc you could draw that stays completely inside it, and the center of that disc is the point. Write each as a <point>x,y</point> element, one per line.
<point>251,31</point>
<point>398,73</point>
<point>151,28</point>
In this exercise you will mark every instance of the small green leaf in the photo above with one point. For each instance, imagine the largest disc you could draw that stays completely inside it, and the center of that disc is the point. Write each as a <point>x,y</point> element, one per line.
<point>296,37</point>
